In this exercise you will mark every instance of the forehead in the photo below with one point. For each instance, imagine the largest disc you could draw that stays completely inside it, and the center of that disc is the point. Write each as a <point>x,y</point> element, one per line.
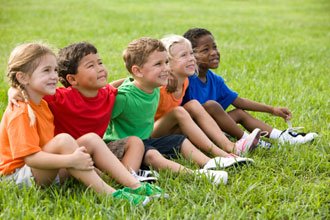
<point>177,47</point>
<point>157,56</point>
<point>47,60</point>
<point>89,57</point>
<point>205,40</point>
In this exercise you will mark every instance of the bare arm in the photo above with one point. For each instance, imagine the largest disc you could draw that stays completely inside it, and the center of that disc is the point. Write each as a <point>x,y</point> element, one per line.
<point>117,83</point>
<point>250,105</point>
<point>79,160</point>
<point>14,95</point>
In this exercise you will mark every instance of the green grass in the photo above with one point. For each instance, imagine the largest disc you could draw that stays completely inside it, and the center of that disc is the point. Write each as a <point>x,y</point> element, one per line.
<point>276,52</point>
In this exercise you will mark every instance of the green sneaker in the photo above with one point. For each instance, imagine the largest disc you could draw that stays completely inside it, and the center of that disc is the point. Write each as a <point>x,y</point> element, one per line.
<point>135,199</point>
<point>147,189</point>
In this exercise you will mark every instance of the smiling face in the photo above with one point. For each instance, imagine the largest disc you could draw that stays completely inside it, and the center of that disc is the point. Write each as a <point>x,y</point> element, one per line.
<point>182,61</point>
<point>91,75</point>
<point>153,73</point>
<point>206,53</point>
<point>43,79</point>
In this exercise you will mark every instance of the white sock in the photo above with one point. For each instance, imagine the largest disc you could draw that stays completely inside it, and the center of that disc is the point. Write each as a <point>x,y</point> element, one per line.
<point>245,135</point>
<point>275,133</point>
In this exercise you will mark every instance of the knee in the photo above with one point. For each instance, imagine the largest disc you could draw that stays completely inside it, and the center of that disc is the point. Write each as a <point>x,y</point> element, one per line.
<point>193,107</point>
<point>88,138</point>
<point>212,107</point>
<point>180,113</point>
<point>152,156</point>
<point>65,142</point>
<point>136,142</point>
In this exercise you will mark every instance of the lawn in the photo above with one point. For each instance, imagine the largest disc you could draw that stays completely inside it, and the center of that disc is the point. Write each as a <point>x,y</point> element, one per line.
<point>275,52</point>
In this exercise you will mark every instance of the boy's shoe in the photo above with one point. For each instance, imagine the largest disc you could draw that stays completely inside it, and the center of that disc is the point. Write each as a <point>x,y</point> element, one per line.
<point>134,199</point>
<point>249,143</point>
<point>147,189</point>
<point>215,176</point>
<point>264,144</point>
<point>223,162</point>
<point>292,137</point>
<point>145,175</point>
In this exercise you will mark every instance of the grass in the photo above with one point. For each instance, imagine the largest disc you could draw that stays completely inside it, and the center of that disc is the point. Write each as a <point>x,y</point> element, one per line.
<point>276,52</point>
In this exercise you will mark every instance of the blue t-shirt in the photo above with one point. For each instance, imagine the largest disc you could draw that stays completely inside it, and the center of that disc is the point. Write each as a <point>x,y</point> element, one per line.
<point>213,89</point>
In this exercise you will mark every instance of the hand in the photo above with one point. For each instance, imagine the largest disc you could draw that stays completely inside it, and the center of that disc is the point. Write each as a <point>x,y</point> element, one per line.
<point>14,95</point>
<point>282,112</point>
<point>82,160</point>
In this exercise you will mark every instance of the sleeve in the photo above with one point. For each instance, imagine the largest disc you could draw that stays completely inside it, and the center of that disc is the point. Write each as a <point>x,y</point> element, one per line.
<point>119,106</point>
<point>28,141</point>
<point>226,95</point>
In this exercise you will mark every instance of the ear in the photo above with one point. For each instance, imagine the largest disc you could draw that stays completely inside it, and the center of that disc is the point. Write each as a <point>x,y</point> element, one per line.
<point>71,79</point>
<point>22,78</point>
<point>136,70</point>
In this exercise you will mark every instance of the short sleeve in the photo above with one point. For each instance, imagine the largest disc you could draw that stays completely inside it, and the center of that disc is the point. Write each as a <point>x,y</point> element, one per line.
<point>120,104</point>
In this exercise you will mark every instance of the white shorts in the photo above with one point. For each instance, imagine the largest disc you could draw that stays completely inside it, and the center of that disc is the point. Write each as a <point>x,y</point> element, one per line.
<point>23,176</point>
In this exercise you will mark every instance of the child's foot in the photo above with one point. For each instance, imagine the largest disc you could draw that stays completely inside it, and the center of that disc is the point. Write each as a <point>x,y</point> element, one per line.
<point>145,175</point>
<point>215,176</point>
<point>292,137</point>
<point>223,162</point>
<point>132,198</point>
<point>249,143</point>
<point>147,189</point>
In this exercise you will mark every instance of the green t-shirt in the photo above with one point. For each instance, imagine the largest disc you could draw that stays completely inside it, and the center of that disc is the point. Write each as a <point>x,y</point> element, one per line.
<point>133,113</point>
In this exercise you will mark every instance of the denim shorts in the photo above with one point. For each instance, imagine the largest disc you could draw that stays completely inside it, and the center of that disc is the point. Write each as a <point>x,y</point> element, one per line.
<point>169,146</point>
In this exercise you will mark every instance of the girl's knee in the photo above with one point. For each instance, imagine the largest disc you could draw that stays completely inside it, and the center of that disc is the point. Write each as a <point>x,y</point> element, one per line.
<point>193,107</point>
<point>180,113</point>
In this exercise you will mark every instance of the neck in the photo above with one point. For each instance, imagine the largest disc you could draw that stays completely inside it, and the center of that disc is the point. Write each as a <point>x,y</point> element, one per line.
<point>202,71</point>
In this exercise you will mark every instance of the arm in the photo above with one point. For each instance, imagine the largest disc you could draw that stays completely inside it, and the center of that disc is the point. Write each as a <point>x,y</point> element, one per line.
<point>250,105</point>
<point>14,95</point>
<point>79,160</point>
<point>117,83</point>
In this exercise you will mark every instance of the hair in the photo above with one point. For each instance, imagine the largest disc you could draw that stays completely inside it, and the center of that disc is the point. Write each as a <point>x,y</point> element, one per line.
<point>69,58</point>
<point>25,58</point>
<point>194,34</point>
<point>138,51</point>
<point>168,42</point>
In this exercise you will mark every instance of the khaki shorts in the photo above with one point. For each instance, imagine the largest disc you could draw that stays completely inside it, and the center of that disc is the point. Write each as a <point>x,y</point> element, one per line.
<point>118,147</point>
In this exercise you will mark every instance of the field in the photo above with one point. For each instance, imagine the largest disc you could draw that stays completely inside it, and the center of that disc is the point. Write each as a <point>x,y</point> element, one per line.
<point>275,52</point>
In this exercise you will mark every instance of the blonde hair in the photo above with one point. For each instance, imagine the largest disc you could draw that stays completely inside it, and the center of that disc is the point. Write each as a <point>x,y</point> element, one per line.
<point>168,41</point>
<point>138,51</point>
<point>25,58</point>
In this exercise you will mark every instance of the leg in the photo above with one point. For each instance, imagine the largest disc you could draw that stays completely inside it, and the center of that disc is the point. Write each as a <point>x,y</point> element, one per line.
<point>223,119</point>
<point>106,161</point>
<point>248,121</point>
<point>179,120</point>
<point>65,144</point>
<point>209,126</point>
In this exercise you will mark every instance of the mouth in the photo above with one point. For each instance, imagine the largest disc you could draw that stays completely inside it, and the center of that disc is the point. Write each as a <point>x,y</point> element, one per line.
<point>103,77</point>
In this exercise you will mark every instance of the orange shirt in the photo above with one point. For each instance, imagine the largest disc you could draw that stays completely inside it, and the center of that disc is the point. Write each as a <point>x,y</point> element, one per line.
<point>18,139</point>
<point>167,100</point>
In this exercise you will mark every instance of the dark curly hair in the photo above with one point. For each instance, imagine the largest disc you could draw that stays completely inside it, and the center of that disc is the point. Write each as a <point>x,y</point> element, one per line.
<point>194,34</point>
<point>69,57</point>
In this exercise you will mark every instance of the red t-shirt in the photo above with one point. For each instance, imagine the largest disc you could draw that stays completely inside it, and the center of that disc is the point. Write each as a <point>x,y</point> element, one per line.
<point>77,115</point>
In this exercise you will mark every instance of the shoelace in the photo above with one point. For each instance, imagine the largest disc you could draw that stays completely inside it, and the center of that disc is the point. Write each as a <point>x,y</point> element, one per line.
<point>293,129</point>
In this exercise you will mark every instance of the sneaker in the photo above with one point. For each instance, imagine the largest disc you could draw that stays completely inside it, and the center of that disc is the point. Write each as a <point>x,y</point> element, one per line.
<point>215,176</point>
<point>223,162</point>
<point>292,137</point>
<point>145,175</point>
<point>134,199</point>
<point>249,143</point>
<point>147,189</point>
<point>264,144</point>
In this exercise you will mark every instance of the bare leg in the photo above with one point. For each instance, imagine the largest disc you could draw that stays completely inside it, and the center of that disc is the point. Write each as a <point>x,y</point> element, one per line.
<point>106,161</point>
<point>209,126</point>
<point>248,121</point>
<point>134,151</point>
<point>157,161</point>
<point>223,119</point>
<point>189,151</point>
<point>179,121</point>
<point>65,144</point>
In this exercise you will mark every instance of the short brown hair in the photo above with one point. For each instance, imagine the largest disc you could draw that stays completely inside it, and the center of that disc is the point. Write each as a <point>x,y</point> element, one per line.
<point>138,51</point>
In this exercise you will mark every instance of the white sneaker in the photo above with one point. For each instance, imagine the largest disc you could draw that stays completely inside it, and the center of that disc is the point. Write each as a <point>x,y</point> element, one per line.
<point>249,143</point>
<point>215,176</point>
<point>145,175</point>
<point>223,162</point>
<point>264,144</point>
<point>290,136</point>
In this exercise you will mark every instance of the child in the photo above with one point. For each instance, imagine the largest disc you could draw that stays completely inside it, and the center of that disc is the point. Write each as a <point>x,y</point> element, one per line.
<point>211,91</point>
<point>85,103</point>
<point>135,107</point>
<point>170,118</point>
<point>38,155</point>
